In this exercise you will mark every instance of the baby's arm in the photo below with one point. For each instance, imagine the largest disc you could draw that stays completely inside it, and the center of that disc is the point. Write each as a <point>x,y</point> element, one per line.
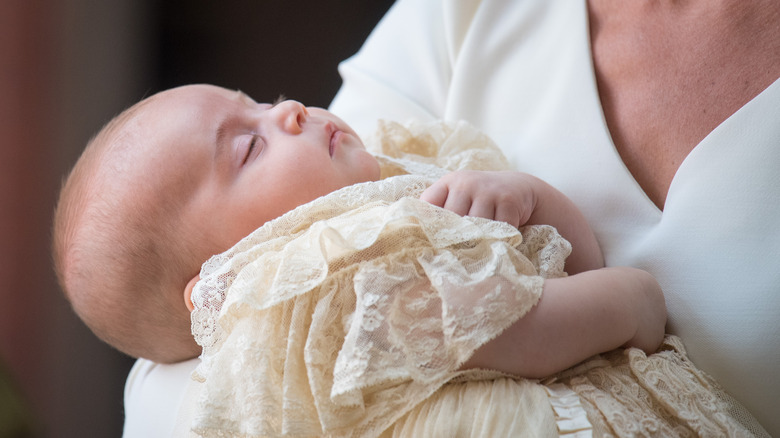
<point>579,316</point>
<point>591,311</point>
<point>519,199</point>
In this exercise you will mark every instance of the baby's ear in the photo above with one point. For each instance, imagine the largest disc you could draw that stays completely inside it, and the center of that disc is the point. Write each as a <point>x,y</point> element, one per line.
<point>188,292</point>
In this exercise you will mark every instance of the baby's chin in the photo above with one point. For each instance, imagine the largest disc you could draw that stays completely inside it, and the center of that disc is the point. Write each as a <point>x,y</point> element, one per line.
<point>360,166</point>
<point>374,172</point>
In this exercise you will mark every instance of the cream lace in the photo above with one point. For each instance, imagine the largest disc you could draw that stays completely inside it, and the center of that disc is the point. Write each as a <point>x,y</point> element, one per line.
<point>347,316</point>
<point>343,314</point>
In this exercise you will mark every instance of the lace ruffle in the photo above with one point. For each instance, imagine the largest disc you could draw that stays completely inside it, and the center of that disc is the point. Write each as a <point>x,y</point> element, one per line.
<point>347,316</point>
<point>342,315</point>
<point>364,315</point>
<point>627,393</point>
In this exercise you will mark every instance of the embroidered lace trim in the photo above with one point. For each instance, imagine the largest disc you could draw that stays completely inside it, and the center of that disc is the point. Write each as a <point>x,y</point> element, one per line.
<point>342,315</point>
<point>347,316</point>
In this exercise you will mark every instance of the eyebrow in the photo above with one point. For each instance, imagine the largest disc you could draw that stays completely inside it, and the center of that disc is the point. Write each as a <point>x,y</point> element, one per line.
<point>221,138</point>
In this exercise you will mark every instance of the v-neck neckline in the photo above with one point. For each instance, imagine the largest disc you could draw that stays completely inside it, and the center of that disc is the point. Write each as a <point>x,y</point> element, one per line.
<point>680,171</point>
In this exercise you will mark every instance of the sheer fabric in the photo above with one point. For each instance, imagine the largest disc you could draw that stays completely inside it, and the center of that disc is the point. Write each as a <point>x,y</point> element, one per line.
<point>349,316</point>
<point>345,313</point>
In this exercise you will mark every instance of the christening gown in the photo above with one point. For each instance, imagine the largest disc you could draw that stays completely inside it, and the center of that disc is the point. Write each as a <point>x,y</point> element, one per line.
<point>350,316</point>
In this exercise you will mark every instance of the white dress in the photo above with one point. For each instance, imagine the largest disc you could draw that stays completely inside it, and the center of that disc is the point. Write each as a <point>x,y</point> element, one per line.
<point>521,71</point>
<point>344,315</point>
<point>350,316</point>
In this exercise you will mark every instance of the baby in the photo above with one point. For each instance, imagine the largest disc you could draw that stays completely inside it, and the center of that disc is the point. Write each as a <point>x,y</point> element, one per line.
<point>169,183</point>
<point>190,172</point>
<point>187,173</point>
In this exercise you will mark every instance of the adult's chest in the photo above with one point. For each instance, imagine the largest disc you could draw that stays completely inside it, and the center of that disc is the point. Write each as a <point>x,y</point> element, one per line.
<point>668,75</point>
<point>543,105</point>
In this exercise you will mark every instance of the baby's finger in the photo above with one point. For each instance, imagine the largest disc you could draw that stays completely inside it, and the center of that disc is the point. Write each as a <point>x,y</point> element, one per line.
<point>458,203</point>
<point>482,208</point>
<point>509,214</point>
<point>436,194</point>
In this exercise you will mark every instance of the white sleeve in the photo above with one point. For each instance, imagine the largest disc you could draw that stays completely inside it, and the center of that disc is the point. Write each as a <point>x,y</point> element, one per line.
<point>404,69</point>
<point>157,397</point>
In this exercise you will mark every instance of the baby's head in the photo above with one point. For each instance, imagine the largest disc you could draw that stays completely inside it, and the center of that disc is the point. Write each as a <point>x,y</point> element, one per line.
<point>178,177</point>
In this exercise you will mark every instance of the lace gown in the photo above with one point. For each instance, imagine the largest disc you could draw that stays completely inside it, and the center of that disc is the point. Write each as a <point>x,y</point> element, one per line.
<point>349,316</point>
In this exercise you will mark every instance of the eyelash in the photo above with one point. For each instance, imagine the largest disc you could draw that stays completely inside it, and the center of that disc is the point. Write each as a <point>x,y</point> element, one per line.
<point>252,145</point>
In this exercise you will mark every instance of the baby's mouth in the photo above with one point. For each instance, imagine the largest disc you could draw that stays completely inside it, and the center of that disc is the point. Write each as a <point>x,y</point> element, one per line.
<point>334,137</point>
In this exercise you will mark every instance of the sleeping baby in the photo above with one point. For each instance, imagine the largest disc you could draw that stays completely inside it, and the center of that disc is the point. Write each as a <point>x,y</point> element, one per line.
<point>334,290</point>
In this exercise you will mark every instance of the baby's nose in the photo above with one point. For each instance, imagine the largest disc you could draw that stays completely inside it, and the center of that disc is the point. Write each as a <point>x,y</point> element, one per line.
<point>291,115</point>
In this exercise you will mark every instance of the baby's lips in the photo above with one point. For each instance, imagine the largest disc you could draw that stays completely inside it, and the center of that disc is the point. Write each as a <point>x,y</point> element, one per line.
<point>334,135</point>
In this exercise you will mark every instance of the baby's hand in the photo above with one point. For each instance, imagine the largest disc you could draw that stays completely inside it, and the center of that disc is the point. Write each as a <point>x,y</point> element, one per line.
<point>502,196</point>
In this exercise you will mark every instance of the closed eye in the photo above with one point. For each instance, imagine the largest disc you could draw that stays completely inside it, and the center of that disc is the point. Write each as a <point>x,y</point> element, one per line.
<point>252,146</point>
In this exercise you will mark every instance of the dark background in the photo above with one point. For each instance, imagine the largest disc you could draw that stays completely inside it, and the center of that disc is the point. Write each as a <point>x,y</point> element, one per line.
<point>263,47</point>
<point>66,68</point>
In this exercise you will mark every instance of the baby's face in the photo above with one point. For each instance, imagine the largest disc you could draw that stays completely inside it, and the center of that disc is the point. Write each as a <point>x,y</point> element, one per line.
<point>247,163</point>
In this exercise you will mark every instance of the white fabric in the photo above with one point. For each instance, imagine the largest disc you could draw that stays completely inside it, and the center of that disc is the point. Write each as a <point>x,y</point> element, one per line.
<point>521,71</point>
<point>154,398</point>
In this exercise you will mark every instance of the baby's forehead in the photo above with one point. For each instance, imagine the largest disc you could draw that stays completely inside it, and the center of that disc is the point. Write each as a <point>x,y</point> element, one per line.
<point>155,113</point>
<point>163,140</point>
<point>191,107</point>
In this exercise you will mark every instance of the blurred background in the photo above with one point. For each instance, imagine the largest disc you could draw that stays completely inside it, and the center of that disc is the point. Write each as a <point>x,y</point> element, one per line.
<point>66,68</point>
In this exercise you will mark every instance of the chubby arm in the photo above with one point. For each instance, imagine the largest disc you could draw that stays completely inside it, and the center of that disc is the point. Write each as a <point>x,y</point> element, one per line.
<point>519,199</point>
<point>579,316</point>
<point>593,310</point>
